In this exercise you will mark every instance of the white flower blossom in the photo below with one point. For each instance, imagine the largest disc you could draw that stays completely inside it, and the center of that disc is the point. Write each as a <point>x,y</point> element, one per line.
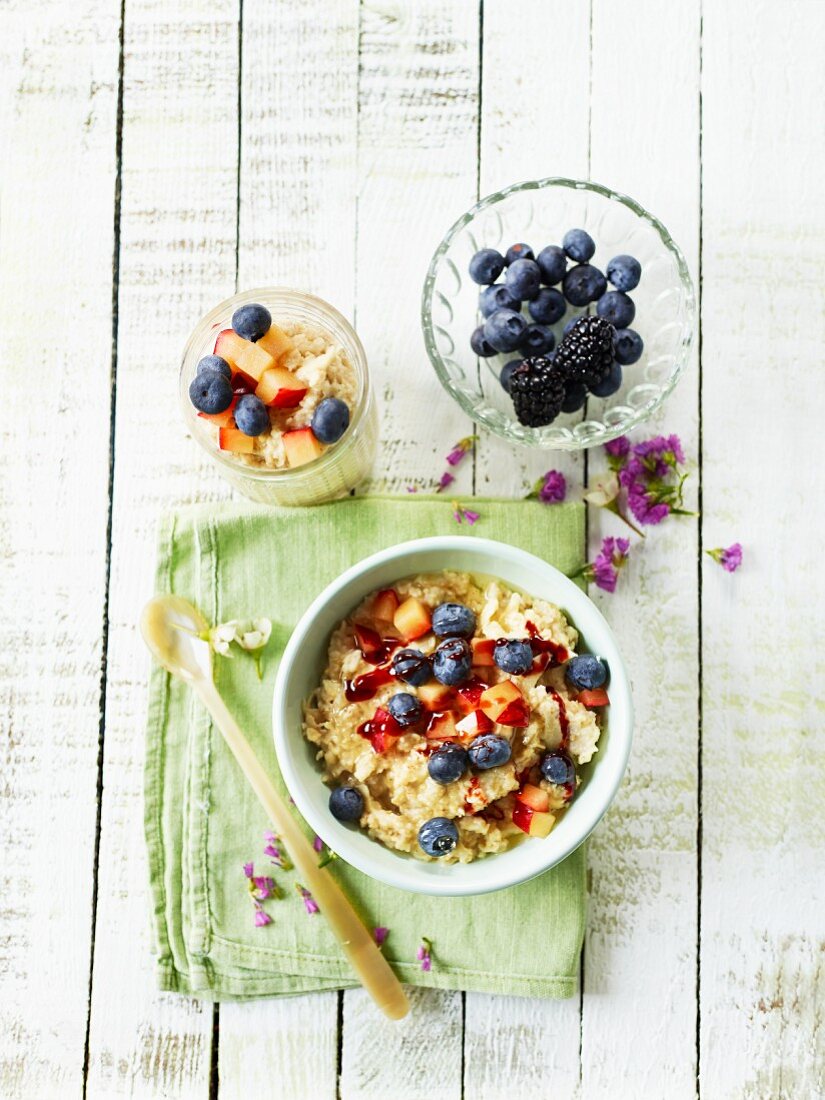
<point>222,636</point>
<point>253,635</point>
<point>603,491</point>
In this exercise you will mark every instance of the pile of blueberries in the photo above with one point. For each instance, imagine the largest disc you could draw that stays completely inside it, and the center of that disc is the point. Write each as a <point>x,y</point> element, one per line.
<point>534,280</point>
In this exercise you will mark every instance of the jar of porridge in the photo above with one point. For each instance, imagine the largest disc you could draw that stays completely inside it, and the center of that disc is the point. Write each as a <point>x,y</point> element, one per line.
<point>316,353</point>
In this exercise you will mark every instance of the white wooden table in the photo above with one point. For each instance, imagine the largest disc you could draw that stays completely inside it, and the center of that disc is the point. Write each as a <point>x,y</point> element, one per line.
<point>157,155</point>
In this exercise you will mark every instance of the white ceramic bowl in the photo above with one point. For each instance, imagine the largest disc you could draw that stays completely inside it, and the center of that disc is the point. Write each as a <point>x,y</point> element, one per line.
<point>305,658</point>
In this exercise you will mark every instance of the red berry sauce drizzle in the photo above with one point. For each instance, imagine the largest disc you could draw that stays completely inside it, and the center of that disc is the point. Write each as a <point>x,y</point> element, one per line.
<point>563,722</point>
<point>365,686</point>
<point>538,644</point>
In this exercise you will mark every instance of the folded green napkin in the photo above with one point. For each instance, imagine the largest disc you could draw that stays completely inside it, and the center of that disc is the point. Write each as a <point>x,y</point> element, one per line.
<point>203,823</point>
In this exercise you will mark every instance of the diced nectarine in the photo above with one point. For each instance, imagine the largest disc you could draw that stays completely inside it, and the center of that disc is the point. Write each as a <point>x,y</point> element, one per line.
<point>483,649</point>
<point>280,388</point>
<point>441,727</point>
<point>594,697</point>
<point>275,342</point>
<point>253,360</point>
<point>474,723</point>
<point>469,695</point>
<point>301,446</point>
<point>412,619</point>
<point>505,704</point>
<point>385,605</point>
<point>435,696</point>
<point>534,797</point>
<point>243,383</point>
<point>222,419</point>
<point>230,439</point>
<point>530,821</point>
<point>229,346</point>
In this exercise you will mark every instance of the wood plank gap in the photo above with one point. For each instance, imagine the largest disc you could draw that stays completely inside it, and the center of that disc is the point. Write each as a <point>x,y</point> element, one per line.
<point>104,648</point>
<point>474,489</point>
<point>214,1071</point>
<point>699,620</point>
<point>339,1024</point>
<point>240,135</point>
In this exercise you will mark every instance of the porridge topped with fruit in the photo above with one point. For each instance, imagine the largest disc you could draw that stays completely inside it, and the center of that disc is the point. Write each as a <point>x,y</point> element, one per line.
<point>453,714</point>
<point>276,395</point>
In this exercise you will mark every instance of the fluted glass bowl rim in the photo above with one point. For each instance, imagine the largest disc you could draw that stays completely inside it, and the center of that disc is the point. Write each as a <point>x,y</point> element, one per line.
<point>531,437</point>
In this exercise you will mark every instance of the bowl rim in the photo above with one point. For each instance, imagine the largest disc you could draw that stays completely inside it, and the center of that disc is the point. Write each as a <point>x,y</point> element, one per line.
<point>400,872</point>
<point>645,411</point>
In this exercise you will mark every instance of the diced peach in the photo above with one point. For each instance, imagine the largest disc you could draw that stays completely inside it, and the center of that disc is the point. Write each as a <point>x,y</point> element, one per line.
<point>370,643</point>
<point>243,383</point>
<point>385,605</point>
<point>532,822</point>
<point>301,446</point>
<point>595,697</point>
<point>412,619</point>
<point>230,439</point>
<point>253,360</point>
<point>505,704</point>
<point>474,723</point>
<point>534,797</point>
<point>435,696</point>
<point>275,342</point>
<point>469,695</point>
<point>229,346</point>
<point>441,727</point>
<point>280,388</point>
<point>483,650</point>
<point>220,420</point>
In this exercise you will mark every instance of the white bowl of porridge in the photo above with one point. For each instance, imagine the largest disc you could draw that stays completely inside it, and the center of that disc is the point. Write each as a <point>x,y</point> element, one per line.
<point>452,716</point>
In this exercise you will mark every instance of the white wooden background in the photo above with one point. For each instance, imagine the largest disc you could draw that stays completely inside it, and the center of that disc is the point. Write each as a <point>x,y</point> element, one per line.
<point>158,154</point>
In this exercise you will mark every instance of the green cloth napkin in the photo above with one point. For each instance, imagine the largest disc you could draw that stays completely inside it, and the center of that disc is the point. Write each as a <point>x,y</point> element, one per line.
<point>203,823</point>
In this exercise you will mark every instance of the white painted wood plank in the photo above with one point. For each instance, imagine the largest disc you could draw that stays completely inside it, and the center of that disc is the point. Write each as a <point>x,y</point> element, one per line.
<point>417,164</point>
<point>640,952</point>
<point>58,106</point>
<point>533,124</point>
<point>763,851</point>
<point>297,228</point>
<point>177,260</point>
<point>512,1043</point>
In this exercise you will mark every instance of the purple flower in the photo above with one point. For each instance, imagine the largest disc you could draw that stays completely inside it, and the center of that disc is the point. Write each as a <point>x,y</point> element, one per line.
<point>310,904</point>
<point>261,918</point>
<point>460,513</point>
<point>644,506</point>
<point>380,934</point>
<point>412,489</point>
<point>249,869</point>
<point>446,480</point>
<point>424,954</point>
<point>462,448</point>
<point>652,479</point>
<point>551,488</point>
<point>729,557</point>
<point>318,844</point>
<point>618,448</point>
<point>605,567</point>
<point>263,888</point>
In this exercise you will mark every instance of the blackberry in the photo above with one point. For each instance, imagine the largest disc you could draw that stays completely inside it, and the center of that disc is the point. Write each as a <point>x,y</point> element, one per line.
<point>537,390</point>
<point>586,352</point>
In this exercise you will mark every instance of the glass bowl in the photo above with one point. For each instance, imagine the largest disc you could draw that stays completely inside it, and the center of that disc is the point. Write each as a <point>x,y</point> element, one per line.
<point>342,465</point>
<point>540,212</point>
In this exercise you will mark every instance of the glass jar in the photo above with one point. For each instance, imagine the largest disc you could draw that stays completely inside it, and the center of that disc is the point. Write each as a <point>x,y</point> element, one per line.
<point>344,464</point>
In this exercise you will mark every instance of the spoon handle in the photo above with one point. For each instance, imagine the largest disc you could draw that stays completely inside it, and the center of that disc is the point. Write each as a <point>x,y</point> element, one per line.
<point>360,948</point>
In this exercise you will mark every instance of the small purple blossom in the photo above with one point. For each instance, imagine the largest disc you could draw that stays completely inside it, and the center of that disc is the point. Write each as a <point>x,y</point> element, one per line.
<point>618,448</point>
<point>461,449</point>
<point>249,869</point>
<point>380,933</point>
<point>412,488</point>
<point>729,557</point>
<point>460,513</point>
<point>446,480</point>
<point>318,844</point>
<point>261,918</point>
<point>424,954</point>
<point>650,474</point>
<point>273,850</point>
<point>262,888</point>
<point>310,904</point>
<point>605,567</point>
<point>553,487</point>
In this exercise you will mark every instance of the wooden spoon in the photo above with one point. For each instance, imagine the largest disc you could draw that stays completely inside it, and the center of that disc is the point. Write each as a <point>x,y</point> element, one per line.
<point>172,629</point>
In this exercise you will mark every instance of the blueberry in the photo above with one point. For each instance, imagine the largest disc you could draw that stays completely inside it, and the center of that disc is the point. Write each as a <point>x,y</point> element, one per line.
<point>489,751</point>
<point>251,415</point>
<point>609,385</point>
<point>520,251</point>
<point>583,284</point>
<point>346,804</point>
<point>578,245</point>
<point>330,419</point>
<point>412,666</point>
<point>506,373</point>
<point>486,266</point>
<point>453,620</point>
<point>480,344</point>
<point>552,263</point>
<point>523,279</point>
<point>216,364</point>
<point>624,272</point>
<point>548,306</point>
<point>251,321</point>
<point>585,672</point>
<point>438,836</point>
<point>211,393</point>
<point>538,340</point>
<point>617,308</point>
<point>513,656</point>
<point>504,329</point>
<point>497,297</point>
<point>627,346</point>
<point>405,708</point>
<point>452,662</point>
<point>558,768</point>
<point>575,395</point>
<point>447,764</point>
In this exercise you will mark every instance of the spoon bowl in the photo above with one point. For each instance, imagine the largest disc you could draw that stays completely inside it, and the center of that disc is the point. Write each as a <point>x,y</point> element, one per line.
<point>174,631</point>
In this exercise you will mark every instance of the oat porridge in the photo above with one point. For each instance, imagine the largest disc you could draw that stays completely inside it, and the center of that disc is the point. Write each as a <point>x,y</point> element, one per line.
<point>277,395</point>
<point>453,716</point>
